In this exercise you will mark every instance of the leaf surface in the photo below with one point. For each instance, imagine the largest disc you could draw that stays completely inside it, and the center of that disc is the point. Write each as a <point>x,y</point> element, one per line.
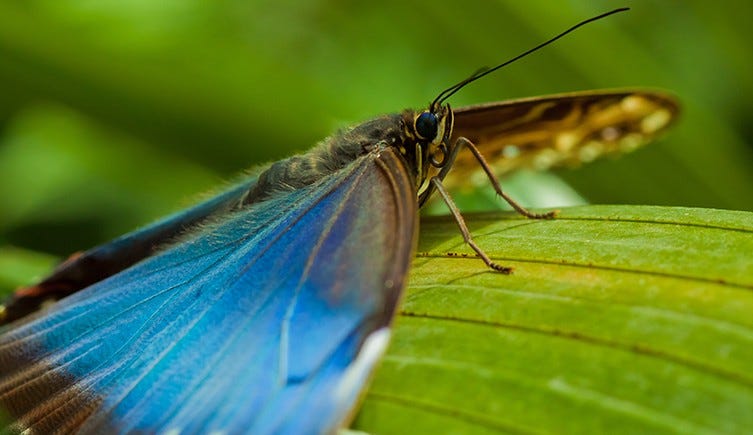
<point>617,318</point>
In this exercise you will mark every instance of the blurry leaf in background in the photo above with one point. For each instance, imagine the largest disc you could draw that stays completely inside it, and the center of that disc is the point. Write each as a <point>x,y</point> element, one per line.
<point>66,182</point>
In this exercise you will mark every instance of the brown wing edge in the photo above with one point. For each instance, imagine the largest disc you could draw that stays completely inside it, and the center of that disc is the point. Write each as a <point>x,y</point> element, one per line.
<point>403,187</point>
<point>561,130</point>
<point>401,182</point>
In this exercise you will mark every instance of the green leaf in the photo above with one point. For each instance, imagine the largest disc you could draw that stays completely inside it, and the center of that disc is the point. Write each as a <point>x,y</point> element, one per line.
<point>618,319</point>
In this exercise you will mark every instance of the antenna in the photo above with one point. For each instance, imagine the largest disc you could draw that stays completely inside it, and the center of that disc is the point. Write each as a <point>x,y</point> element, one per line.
<point>447,93</point>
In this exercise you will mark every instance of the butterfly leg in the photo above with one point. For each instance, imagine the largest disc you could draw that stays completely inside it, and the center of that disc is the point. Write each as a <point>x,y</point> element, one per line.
<point>495,182</point>
<point>436,182</point>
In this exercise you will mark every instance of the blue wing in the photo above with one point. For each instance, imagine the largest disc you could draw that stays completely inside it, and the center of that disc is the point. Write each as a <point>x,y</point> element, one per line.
<point>255,324</point>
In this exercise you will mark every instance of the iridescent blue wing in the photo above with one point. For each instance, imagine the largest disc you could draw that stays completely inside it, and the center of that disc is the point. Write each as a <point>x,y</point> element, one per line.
<point>267,320</point>
<point>96,264</point>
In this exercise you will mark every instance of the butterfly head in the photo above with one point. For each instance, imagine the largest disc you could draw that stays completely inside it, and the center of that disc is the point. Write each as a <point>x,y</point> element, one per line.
<point>427,137</point>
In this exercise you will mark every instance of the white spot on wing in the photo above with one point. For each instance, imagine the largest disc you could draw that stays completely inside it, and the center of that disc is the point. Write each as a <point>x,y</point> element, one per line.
<point>545,159</point>
<point>565,141</point>
<point>357,373</point>
<point>630,142</point>
<point>655,121</point>
<point>610,134</point>
<point>510,151</point>
<point>633,104</point>
<point>590,151</point>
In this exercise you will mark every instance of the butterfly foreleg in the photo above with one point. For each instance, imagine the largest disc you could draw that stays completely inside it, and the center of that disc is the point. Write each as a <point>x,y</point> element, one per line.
<point>436,182</point>
<point>463,142</point>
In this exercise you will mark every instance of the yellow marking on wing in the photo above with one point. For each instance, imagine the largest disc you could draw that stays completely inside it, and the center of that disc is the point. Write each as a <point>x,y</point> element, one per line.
<point>560,130</point>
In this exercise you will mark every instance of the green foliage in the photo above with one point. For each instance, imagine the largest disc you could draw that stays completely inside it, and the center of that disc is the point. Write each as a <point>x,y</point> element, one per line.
<point>616,319</point>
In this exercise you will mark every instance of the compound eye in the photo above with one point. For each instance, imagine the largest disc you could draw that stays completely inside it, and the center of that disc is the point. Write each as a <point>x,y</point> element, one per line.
<point>426,126</point>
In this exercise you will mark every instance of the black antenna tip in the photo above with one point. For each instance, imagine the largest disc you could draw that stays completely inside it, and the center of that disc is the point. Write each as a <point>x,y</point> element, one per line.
<point>623,9</point>
<point>447,93</point>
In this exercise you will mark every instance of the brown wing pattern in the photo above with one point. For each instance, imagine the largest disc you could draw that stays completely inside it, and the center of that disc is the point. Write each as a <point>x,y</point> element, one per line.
<point>559,130</point>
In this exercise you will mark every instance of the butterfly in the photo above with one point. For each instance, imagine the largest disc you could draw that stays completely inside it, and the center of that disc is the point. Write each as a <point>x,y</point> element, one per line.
<point>266,308</point>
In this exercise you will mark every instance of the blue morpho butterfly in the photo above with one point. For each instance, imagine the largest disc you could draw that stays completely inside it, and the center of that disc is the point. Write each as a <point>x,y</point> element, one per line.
<point>265,309</point>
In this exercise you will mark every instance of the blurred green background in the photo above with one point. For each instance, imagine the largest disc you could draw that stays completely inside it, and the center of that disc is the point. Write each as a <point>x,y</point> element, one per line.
<point>113,113</point>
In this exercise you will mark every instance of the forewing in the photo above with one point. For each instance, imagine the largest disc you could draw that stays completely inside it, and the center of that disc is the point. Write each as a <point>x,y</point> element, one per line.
<point>559,130</point>
<point>253,325</point>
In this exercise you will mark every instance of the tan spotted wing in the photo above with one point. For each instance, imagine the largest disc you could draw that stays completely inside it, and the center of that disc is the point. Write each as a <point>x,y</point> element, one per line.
<point>559,130</point>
